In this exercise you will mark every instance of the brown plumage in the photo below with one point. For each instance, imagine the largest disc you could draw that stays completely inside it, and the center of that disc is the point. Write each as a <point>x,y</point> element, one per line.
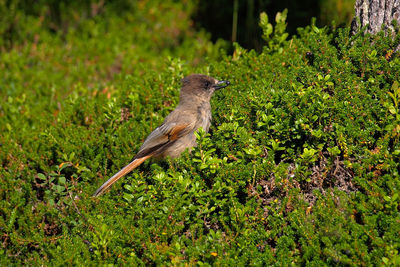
<point>176,133</point>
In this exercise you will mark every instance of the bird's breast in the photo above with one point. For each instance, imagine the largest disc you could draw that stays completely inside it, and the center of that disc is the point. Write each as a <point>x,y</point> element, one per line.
<point>204,116</point>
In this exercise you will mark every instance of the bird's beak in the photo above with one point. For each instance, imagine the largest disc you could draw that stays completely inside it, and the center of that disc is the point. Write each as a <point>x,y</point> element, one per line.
<point>221,84</point>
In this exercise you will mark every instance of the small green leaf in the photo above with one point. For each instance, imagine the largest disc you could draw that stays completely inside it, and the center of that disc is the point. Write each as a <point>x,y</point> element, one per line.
<point>315,29</point>
<point>59,188</point>
<point>392,109</point>
<point>61,180</point>
<point>41,176</point>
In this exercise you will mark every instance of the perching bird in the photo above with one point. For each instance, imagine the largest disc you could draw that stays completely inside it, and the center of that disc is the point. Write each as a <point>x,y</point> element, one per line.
<point>176,133</point>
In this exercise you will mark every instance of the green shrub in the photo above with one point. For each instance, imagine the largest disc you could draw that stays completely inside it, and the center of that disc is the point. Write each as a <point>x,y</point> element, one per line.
<point>301,165</point>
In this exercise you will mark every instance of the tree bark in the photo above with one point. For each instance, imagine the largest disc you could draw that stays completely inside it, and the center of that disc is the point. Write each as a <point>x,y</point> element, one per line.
<point>376,13</point>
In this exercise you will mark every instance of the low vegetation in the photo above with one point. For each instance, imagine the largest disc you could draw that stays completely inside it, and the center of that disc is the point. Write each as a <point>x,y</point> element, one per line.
<point>301,165</point>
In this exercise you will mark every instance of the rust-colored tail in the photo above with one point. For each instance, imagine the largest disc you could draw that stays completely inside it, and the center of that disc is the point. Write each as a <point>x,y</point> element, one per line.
<point>124,171</point>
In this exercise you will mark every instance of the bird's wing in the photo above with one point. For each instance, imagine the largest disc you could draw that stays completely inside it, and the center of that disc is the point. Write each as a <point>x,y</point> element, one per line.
<point>164,134</point>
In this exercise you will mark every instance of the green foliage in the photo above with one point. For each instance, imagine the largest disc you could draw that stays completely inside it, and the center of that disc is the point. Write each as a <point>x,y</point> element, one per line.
<point>300,167</point>
<point>275,37</point>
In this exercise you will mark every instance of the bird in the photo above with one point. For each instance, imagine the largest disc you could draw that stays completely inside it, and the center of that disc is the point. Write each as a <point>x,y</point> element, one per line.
<point>177,132</point>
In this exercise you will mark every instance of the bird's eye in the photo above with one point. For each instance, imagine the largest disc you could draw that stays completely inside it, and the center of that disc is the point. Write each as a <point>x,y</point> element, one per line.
<point>207,84</point>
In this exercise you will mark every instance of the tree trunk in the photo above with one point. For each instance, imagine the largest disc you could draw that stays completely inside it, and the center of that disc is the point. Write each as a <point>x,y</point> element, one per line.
<point>376,13</point>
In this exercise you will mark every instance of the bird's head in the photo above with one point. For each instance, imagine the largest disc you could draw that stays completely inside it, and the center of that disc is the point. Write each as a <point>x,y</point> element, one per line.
<point>201,86</point>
